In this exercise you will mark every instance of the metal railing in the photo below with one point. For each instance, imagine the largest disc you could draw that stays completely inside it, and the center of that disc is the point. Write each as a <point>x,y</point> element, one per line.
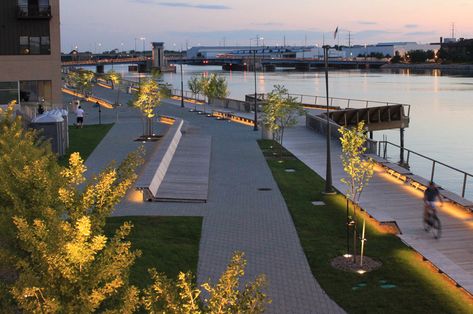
<point>34,11</point>
<point>383,149</point>
<point>342,103</point>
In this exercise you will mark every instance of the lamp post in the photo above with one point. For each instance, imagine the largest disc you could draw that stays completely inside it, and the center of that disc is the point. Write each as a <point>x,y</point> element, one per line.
<point>182,84</point>
<point>143,39</point>
<point>255,127</point>
<point>328,175</point>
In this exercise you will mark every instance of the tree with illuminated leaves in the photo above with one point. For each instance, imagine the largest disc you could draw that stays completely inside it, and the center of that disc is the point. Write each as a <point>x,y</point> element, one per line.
<point>280,112</point>
<point>147,100</point>
<point>358,170</point>
<point>225,296</point>
<point>81,80</point>
<point>54,255</point>
<point>195,85</point>
<point>214,86</point>
<point>70,266</point>
<point>115,79</point>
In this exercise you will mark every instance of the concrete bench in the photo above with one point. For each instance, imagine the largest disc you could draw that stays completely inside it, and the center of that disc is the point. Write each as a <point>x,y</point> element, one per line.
<point>396,171</point>
<point>158,163</point>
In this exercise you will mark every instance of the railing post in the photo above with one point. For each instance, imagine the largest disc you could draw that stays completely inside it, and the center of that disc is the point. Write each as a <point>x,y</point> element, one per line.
<point>367,104</point>
<point>385,149</point>
<point>433,171</point>
<point>464,185</point>
<point>348,105</point>
<point>408,155</point>
<point>315,100</point>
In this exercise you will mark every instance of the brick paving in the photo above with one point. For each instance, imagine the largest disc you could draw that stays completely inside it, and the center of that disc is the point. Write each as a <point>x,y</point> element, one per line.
<point>237,216</point>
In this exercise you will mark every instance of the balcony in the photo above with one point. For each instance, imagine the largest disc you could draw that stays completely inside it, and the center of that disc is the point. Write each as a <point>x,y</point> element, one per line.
<point>41,12</point>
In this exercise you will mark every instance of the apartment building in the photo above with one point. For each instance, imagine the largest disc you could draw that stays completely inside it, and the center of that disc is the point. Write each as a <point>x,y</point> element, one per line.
<point>30,55</point>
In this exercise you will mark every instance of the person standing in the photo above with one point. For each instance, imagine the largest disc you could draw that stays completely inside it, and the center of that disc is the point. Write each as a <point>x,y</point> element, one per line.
<point>80,117</point>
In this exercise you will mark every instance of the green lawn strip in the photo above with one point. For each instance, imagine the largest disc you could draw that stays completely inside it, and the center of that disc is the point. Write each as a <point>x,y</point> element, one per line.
<point>322,233</point>
<point>169,244</point>
<point>84,140</point>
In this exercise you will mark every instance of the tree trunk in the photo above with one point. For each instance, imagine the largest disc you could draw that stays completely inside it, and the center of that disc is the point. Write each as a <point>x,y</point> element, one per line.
<point>355,225</point>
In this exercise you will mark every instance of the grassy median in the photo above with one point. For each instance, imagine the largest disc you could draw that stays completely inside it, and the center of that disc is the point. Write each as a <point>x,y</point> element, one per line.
<point>84,140</point>
<point>169,244</point>
<point>404,284</point>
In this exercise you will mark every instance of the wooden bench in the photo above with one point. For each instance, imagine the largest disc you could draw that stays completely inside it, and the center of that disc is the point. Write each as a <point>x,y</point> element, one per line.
<point>156,167</point>
<point>418,182</point>
<point>457,199</point>
<point>376,158</point>
<point>396,171</point>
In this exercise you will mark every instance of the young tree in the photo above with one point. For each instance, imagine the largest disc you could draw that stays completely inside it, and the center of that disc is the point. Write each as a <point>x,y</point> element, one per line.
<point>195,85</point>
<point>52,244</point>
<point>358,170</point>
<point>281,112</point>
<point>85,81</point>
<point>115,78</point>
<point>147,99</point>
<point>214,86</point>
<point>226,296</point>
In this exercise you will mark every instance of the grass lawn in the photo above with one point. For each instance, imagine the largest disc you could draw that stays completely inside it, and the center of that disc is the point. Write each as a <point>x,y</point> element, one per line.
<point>418,287</point>
<point>169,244</point>
<point>84,140</point>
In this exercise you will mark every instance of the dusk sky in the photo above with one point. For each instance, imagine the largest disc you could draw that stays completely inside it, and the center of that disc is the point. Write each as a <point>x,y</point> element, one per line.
<point>108,24</point>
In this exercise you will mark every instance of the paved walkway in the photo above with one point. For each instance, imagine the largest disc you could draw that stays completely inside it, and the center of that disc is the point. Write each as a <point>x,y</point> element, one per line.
<point>388,199</point>
<point>237,215</point>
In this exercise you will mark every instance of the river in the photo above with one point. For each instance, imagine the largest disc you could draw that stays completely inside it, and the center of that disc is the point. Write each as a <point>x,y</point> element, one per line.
<point>441,124</point>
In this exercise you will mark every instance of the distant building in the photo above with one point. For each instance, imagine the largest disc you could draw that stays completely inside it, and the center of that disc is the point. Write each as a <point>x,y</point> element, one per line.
<point>388,49</point>
<point>30,57</point>
<point>243,51</point>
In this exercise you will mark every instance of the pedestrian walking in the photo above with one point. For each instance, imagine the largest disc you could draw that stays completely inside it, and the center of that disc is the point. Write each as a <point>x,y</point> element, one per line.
<point>80,117</point>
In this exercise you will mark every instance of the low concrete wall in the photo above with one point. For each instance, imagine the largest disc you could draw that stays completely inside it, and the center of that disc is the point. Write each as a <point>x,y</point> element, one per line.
<point>319,125</point>
<point>158,164</point>
<point>232,104</point>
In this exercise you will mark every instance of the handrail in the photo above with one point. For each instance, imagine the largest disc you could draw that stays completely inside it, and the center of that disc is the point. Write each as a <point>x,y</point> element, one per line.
<point>434,162</point>
<point>367,103</point>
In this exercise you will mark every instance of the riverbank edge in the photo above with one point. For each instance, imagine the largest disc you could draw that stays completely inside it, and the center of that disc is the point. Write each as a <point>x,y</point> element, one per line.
<point>430,66</point>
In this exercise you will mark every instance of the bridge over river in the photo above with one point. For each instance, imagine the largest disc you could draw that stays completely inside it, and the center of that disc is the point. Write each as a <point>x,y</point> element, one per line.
<point>229,63</point>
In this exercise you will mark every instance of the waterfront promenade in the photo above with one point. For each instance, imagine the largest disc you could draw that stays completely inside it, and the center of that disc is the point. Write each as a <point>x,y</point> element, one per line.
<point>390,200</point>
<point>387,199</point>
<point>237,215</point>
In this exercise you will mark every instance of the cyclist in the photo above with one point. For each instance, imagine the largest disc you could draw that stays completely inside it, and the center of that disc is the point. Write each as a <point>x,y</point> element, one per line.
<point>431,194</point>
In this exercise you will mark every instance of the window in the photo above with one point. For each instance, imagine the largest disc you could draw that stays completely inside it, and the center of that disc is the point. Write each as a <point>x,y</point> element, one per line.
<point>35,91</point>
<point>8,92</point>
<point>35,45</point>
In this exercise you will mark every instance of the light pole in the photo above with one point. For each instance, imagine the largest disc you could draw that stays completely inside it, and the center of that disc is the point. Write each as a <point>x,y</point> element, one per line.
<point>255,127</point>
<point>328,175</point>
<point>143,39</point>
<point>182,84</point>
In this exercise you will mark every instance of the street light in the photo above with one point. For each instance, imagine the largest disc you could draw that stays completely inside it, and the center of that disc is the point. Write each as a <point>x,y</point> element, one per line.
<point>182,84</point>
<point>143,39</point>
<point>328,175</point>
<point>255,127</point>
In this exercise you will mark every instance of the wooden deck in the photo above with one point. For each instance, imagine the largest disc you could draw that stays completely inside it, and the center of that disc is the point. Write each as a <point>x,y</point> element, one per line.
<point>388,199</point>
<point>187,178</point>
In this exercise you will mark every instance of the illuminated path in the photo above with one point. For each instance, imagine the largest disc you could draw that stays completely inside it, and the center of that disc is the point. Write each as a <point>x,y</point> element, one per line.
<point>388,199</point>
<point>237,216</point>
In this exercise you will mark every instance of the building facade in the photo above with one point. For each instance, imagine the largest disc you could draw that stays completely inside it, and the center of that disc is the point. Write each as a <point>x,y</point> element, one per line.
<point>30,55</point>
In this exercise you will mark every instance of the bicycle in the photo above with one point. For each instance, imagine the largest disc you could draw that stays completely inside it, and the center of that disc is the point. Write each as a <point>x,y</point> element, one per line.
<point>432,222</point>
